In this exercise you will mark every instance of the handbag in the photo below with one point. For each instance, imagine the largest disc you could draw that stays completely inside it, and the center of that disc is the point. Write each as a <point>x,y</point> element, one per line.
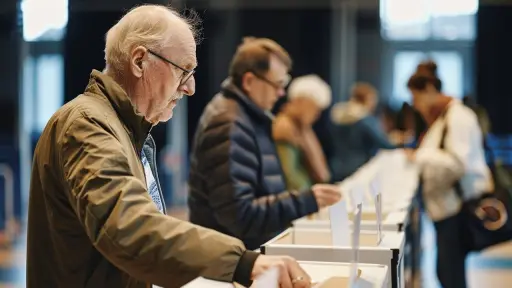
<point>487,219</point>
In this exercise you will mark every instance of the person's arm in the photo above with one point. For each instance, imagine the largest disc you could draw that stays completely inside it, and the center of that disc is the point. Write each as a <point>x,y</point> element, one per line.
<point>232,184</point>
<point>315,158</point>
<point>290,165</point>
<point>124,225</point>
<point>375,134</point>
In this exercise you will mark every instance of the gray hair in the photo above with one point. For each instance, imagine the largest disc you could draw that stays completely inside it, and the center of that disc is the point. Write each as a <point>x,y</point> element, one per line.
<point>312,87</point>
<point>150,26</point>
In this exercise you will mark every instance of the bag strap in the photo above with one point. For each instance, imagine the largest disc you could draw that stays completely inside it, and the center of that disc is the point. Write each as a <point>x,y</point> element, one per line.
<point>456,185</point>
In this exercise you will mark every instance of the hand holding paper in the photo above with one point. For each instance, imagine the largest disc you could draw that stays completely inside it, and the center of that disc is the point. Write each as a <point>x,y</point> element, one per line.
<point>290,272</point>
<point>326,194</point>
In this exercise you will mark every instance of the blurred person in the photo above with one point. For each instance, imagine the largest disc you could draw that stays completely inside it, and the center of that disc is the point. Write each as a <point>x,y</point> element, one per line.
<point>299,150</point>
<point>462,160</point>
<point>357,133</point>
<point>388,119</point>
<point>96,213</point>
<point>236,181</point>
<point>481,113</point>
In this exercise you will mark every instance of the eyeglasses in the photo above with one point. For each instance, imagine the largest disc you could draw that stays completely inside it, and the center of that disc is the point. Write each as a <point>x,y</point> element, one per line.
<point>186,73</point>
<point>277,85</point>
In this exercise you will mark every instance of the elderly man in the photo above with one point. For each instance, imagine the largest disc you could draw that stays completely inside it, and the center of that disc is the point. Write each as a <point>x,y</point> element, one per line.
<point>236,181</point>
<point>96,215</point>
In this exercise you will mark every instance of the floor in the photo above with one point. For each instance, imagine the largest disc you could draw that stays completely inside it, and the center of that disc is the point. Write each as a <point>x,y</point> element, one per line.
<point>492,268</point>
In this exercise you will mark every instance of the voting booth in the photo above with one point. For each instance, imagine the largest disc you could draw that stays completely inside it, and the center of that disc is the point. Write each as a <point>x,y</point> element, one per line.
<point>344,241</point>
<point>317,245</point>
<point>396,186</point>
<point>394,221</point>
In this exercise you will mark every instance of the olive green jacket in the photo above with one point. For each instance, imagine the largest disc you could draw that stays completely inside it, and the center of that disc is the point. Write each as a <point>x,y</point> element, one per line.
<point>91,220</point>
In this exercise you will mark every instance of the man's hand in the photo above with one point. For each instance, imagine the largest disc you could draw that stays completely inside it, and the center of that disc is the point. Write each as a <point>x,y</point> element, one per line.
<point>291,275</point>
<point>326,194</point>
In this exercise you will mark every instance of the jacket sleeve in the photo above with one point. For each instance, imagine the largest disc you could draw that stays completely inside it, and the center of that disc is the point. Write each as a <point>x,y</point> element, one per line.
<point>232,185</point>
<point>290,164</point>
<point>126,227</point>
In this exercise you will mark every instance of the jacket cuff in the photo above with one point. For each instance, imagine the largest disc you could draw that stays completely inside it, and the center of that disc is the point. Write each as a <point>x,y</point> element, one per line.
<point>244,268</point>
<point>310,205</point>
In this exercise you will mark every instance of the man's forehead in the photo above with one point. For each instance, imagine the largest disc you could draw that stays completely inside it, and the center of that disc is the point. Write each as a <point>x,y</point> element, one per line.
<point>277,67</point>
<point>184,54</point>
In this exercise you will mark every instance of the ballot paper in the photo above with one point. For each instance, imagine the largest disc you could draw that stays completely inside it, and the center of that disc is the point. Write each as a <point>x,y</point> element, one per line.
<point>377,199</point>
<point>269,279</point>
<point>354,266</point>
<point>357,193</point>
<point>340,225</point>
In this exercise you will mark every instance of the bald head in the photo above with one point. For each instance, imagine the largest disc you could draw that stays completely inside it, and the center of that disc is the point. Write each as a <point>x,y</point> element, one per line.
<point>151,53</point>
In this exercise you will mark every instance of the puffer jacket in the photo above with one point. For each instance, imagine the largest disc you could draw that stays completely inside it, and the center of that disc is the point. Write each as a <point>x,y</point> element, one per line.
<point>236,181</point>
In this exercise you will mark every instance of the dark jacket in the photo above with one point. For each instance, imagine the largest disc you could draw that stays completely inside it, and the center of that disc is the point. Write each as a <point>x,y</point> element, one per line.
<point>91,220</point>
<point>236,181</point>
<point>357,138</point>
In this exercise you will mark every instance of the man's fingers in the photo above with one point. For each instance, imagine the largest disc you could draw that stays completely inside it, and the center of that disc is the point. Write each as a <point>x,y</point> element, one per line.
<point>284,276</point>
<point>300,279</point>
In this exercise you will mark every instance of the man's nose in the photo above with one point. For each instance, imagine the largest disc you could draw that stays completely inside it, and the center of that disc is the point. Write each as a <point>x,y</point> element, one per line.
<point>189,88</point>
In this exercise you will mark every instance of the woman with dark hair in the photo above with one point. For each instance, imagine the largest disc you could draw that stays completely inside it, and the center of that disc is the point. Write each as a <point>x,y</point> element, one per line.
<point>450,151</point>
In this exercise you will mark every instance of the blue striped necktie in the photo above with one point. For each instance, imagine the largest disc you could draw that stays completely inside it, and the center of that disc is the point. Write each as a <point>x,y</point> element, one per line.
<point>151,183</point>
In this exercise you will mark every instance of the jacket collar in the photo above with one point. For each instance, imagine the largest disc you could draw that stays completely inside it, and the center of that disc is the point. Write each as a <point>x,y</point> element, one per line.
<point>103,85</point>
<point>230,90</point>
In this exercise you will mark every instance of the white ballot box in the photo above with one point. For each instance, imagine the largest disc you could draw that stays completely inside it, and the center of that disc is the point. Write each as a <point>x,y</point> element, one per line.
<point>316,245</point>
<point>337,275</point>
<point>323,275</point>
<point>393,221</point>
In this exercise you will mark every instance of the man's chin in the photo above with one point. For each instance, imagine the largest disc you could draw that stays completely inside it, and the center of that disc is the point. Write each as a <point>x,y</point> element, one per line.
<point>166,115</point>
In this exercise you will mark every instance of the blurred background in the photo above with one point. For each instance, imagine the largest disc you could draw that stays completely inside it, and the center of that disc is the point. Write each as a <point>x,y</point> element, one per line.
<point>49,47</point>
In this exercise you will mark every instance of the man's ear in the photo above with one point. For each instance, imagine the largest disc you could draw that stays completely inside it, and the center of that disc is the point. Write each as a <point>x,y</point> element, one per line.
<point>247,81</point>
<point>137,59</point>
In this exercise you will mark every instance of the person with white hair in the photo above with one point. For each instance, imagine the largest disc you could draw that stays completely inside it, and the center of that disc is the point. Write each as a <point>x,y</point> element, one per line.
<point>96,212</point>
<point>299,150</point>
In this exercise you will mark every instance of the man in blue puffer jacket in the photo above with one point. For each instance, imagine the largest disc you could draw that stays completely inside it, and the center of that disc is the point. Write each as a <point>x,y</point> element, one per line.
<point>236,181</point>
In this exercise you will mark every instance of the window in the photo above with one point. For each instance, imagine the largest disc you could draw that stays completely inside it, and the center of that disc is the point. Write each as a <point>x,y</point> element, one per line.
<point>44,20</point>
<point>44,89</point>
<point>449,69</point>
<point>404,65</point>
<point>428,19</point>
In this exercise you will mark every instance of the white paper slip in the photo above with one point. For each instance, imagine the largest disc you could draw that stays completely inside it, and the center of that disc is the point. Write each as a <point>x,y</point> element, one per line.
<point>201,282</point>
<point>357,195</point>
<point>269,279</point>
<point>375,191</point>
<point>340,225</point>
<point>355,244</point>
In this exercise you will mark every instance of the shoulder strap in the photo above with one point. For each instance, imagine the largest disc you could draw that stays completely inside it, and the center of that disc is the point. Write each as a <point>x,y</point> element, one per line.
<point>456,186</point>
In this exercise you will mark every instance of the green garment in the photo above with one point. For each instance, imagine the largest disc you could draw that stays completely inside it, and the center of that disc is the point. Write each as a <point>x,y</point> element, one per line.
<point>292,162</point>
